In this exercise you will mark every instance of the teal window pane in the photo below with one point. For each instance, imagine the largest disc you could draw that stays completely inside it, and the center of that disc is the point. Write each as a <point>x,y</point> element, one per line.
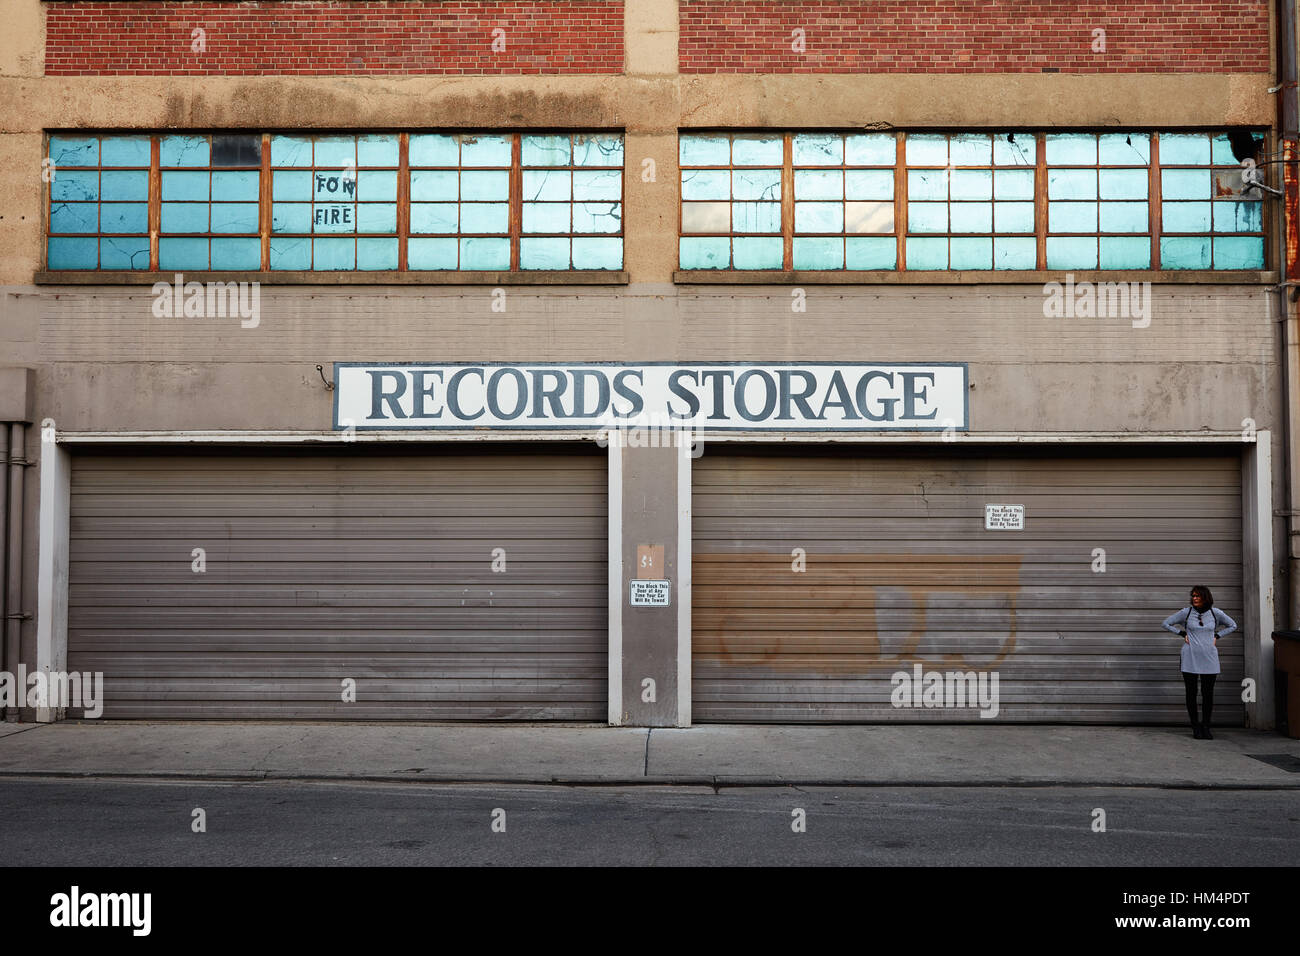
<point>869,217</point>
<point>1013,217</point>
<point>970,254</point>
<point>927,217</point>
<point>756,184</point>
<point>819,217</point>
<point>434,185</point>
<point>927,254</point>
<point>238,186</point>
<point>290,217</point>
<point>598,149</point>
<point>289,186</point>
<point>124,217</point>
<point>546,186</point>
<point>434,217</point>
<point>543,253</point>
<point>236,254</point>
<point>971,217</point>
<point>1184,149</point>
<point>761,150</point>
<point>1221,152</point>
<point>126,151</point>
<point>182,253</point>
<point>817,149</point>
<point>1071,253</point>
<point>1125,252</point>
<point>971,184</point>
<point>1124,184</point>
<point>377,217</point>
<point>494,185</point>
<point>1239,252</point>
<point>695,150</point>
<point>821,253</point>
<point>704,253</point>
<point>1184,252</point>
<point>1185,217</point>
<point>605,184</point>
<point>185,187</point>
<point>926,184</point>
<point>1123,217</point>
<point>72,253</point>
<point>485,150</point>
<point>1071,184</point>
<point>1015,253</point>
<point>183,151</point>
<point>484,254</point>
<point>333,186</point>
<point>818,184</point>
<point>290,254</point>
<point>870,253</point>
<point>184,217</point>
<point>549,150</point>
<point>926,149</point>
<point>126,252</point>
<point>340,151</point>
<point>1012,149</point>
<point>706,217</point>
<point>377,185</point>
<point>432,149</point>
<point>485,217</point>
<point>869,184</point>
<point>1125,149</point>
<point>334,217</point>
<point>73,151</point>
<point>1071,149</point>
<point>74,217</point>
<point>332,255</point>
<point>1071,217</point>
<point>755,217</point>
<point>547,217</point>
<point>970,149</point>
<point>75,186</point>
<point>376,254</point>
<point>431,253</point>
<point>234,217</point>
<point>871,149</point>
<point>591,217</point>
<point>290,151</point>
<point>1185,184</point>
<point>1238,216</point>
<point>750,253</point>
<point>601,253</point>
<point>377,149</point>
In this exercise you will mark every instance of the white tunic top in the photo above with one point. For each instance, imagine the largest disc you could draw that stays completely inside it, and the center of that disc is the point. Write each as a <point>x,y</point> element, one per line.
<point>1200,656</point>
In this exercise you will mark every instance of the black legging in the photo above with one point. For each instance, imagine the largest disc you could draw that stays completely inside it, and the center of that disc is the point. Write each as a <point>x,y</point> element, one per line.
<point>1207,696</point>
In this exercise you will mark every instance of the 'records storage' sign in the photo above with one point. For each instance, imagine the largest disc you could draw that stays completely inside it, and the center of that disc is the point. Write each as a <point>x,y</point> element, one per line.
<point>727,396</point>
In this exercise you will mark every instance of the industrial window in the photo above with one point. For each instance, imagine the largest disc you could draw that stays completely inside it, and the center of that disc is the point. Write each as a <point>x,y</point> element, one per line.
<point>1006,200</point>
<point>350,202</point>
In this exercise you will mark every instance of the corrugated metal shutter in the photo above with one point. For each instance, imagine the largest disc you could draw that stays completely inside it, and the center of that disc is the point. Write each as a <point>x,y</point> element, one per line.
<point>900,571</point>
<point>363,564</point>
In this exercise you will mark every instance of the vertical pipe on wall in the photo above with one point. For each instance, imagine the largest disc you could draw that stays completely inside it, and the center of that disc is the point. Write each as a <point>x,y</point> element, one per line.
<point>6,664</point>
<point>1289,123</point>
<point>14,542</point>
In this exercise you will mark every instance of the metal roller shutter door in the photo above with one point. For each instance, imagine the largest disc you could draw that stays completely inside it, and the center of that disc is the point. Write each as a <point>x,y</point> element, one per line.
<point>366,564</point>
<point>901,571</point>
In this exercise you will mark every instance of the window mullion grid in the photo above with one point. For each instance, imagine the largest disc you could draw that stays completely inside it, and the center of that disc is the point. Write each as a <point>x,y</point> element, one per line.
<point>516,198</point>
<point>1040,199</point>
<point>264,203</point>
<point>900,197</point>
<point>155,198</point>
<point>403,198</point>
<point>1154,200</point>
<point>787,203</point>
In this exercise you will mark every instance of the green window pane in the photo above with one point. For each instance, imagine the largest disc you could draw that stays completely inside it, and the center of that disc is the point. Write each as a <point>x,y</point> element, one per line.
<point>73,151</point>
<point>431,254</point>
<point>1015,253</point>
<point>970,149</point>
<point>334,255</point>
<point>871,149</point>
<point>291,151</point>
<point>290,254</point>
<point>761,150</point>
<point>608,184</point>
<point>291,217</point>
<point>494,185</point>
<point>925,254</point>
<point>435,185</point>
<point>1125,252</point>
<point>1123,184</point>
<point>484,254</point>
<point>1185,217</point>
<point>756,184</point>
<point>1184,149</point>
<point>926,149</point>
<point>971,217</point>
<point>1071,184</point>
<point>376,254</point>
<point>377,185</point>
<point>591,217</point>
<point>706,217</point>
<point>1239,252</point>
<point>72,253</point>
<point>1123,217</point>
<point>970,254</point>
<point>869,184</point>
<point>869,217</point>
<point>927,184</point>
<point>544,253</point>
<point>598,149</point>
<point>239,186</point>
<point>236,254</point>
<point>377,149</point>
<point>750,253</point>
<point>183,151</point>
<point>1071,253</point>
<point>870,253</point>
<point>817,149</point>
<point>818,184</point>
<point>427,217</point>
<point>1125,149</point>
<point>184,217</point>
<point>820,253</point>
<point>75,186</point>
<point>1072,217</point>
<point>340,152</point>
<point>126,151</point>
<point>549,150</point>
<point>234,217</point>
<point>124,217</point>
<point>1184,252</point>
<point>1013,217</point>
<point>1071,149</point>
<point>485,217</point>
<point>334,217</point>
<point>755,217</point>
<point>74,217</point>
<point>378,217</point>
<point>927,217</point>
<point>695,150</point>
<point>1014,149</point>
<point>704,253</point>
<point>547,186</point>
<point>601,253</point>
<point>818,217</point>
<point>485,150</point>
<point>1184,184</point>
<point>127,252</point>
<point>547,217</point>
<point>182,253</point>
<point>289,186</point>
<point>185,187</point>
<point>971,184</point>
<point>432,149</point>
<point>1237,216</point>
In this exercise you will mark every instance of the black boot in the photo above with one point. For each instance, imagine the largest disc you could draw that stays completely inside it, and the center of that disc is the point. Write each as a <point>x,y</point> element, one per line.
<point>1205,732</point>
<point>1197,732</point>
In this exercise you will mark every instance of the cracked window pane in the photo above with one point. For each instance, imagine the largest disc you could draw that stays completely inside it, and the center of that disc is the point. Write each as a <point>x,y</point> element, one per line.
<point>174,151</point>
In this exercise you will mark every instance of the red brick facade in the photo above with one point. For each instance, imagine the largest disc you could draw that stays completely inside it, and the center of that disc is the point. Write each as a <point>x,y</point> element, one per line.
<point>975,36</point>
<point>323,38</point>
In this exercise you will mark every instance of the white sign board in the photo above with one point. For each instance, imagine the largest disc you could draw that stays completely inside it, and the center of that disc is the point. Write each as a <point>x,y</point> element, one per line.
<point>651,593</point>
<point>736,396</point>
<point>1004,517</point>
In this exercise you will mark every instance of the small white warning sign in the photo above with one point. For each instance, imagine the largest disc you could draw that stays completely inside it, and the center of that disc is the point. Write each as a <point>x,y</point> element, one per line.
<point>651,593</point>
<point>1004,517</point>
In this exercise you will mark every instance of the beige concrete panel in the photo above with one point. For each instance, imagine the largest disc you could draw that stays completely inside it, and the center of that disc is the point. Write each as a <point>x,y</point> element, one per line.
<point>22,42</point>
<point>650,250</point>
<point>20,325</point>
<point>650,31</point>
<point>22,193</point>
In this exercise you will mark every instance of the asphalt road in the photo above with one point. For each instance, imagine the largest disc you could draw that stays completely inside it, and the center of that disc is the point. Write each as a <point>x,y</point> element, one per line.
<point>149,823</point>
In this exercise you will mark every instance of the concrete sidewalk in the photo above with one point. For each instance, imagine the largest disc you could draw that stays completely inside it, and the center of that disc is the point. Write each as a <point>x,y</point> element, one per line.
<point>881,755</point>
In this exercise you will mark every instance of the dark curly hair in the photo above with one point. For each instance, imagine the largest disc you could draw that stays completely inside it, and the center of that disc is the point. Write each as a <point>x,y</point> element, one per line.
<point>1205,594</point>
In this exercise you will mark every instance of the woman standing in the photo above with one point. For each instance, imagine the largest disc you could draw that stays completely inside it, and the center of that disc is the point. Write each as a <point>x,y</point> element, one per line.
<point>1197,625</point>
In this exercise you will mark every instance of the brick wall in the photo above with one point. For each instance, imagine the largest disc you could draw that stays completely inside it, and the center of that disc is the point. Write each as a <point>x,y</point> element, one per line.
<point>322,38</point>
<point>975,36</point>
